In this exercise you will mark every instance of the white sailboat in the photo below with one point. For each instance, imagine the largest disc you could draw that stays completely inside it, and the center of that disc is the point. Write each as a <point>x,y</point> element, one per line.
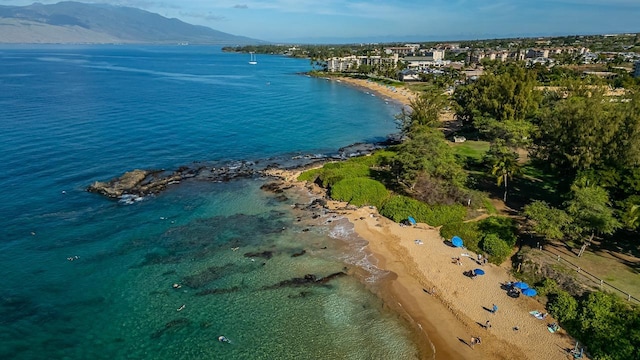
<point>253,60</point>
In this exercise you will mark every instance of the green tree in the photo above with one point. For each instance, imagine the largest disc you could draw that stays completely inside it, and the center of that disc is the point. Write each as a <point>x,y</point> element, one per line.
<point>604,322</point>
<point>424,110</point>
<point>563,306</point>
<point>507,94</point>
<point>591,212</point>
<point>630,212</point>
<point>547,221</point>
<point>585,131</point>
<point>426,150</point>
<point>504,165</point>
<point>513,134</point>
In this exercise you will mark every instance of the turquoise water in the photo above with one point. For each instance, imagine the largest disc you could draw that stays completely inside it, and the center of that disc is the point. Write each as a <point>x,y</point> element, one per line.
<point>89,278</point>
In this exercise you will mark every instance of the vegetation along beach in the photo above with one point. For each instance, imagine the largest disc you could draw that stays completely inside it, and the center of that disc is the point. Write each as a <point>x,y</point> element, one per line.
<point>522,182</point>
<point>311,182</point>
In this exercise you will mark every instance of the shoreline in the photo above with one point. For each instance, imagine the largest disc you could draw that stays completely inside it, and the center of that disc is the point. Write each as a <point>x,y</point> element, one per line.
<point>401,96</point>
<point>457,310</point>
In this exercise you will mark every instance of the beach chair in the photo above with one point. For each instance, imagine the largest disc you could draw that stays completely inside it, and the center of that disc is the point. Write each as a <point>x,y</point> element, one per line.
<point>577,353</point>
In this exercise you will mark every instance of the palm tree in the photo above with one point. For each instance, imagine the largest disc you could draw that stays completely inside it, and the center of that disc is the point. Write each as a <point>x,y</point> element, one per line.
<point>504,167</point>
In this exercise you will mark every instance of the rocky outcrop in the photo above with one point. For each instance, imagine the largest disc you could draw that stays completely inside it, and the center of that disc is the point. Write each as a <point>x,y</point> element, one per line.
<point>146,182</point>
<point>139,182</point>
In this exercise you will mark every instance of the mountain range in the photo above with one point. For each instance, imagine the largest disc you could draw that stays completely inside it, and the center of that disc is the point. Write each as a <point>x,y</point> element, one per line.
<point>75,22</point>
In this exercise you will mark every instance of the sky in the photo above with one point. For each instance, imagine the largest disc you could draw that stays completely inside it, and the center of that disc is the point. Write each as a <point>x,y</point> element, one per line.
<point>344,21</point>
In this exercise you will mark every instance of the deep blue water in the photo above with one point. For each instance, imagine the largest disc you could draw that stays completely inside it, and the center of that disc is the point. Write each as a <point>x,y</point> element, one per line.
<point>70,116</point>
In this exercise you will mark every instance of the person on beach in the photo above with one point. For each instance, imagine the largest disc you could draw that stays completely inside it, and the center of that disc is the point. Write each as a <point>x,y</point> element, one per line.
<point>487,325</point>
<point>494,308</point>
<point>472,342</point>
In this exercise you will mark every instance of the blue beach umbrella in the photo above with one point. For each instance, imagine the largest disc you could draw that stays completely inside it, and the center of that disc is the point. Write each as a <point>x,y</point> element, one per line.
<point>529,292</point>
<point>412,220</point>
<point>456,241</point>
<point>479,271</point>
<point>521,285</point>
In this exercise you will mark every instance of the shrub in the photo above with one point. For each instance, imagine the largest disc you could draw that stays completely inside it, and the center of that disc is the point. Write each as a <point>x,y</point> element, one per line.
<point>310,175</point>
<point>400,207</point>
<point>547,286</point>
<point>496,247</point>
<point>332,173</point>
<point>468,232</point>
<point>360,191</point>
<point>378,158</point>
<point>563,306</point>
<point>504,227</point>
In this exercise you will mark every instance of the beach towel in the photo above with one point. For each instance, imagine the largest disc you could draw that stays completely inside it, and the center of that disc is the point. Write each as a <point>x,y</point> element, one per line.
<point>553,328</point>
<point>537,314</point>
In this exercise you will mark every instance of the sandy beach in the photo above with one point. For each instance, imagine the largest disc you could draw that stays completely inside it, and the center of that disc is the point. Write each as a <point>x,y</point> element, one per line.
<point>459,306</point>
<point>389,93</point>
<point>431,290</point>
<point>448,308</point>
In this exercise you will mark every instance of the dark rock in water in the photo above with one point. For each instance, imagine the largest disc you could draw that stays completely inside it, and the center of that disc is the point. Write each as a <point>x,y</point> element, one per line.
<point>116,187</point>
<point>318,203</point>
<point>273,187</point>
<point>299,253</point>
<point>277,188</point>
<point>172,325</point>
<point>281,198</point>
<point>301,294</point>
<point>146,182</point>
<point>137,182</point>
<point>264,255</point>
<point>309,279</point>
<point>218,291</point>
<point>14,308</point>
<point>208,275</point>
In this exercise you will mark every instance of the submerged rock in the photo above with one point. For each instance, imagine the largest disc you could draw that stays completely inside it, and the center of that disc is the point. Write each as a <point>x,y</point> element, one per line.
<point>172,325</point>
<point>309,279</point>
<point>218,291</point>
<point>264,254</point>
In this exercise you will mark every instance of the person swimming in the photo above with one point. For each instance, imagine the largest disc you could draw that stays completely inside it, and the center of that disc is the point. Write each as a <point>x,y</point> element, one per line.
<point>224,339</point>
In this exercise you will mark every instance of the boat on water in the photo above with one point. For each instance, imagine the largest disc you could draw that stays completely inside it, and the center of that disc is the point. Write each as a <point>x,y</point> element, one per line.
<point>253,60</point>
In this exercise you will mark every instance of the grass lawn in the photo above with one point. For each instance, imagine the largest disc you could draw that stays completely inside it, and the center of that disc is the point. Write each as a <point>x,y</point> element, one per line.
<point>471,149</point>
<point>619,270</point>
<point>421,86</point>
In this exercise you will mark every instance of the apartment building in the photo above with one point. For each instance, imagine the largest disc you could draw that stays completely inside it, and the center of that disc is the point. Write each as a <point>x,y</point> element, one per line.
<point>352,62</point>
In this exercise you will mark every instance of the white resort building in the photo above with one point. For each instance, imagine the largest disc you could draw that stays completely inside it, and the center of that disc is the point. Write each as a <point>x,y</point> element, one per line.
<point>346,63</point>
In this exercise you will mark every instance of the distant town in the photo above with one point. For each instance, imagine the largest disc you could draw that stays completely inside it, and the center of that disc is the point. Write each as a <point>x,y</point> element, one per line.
<point>604,56</point>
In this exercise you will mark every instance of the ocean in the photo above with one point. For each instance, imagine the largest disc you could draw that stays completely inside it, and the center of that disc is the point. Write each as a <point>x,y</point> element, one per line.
<point>86,277</point>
